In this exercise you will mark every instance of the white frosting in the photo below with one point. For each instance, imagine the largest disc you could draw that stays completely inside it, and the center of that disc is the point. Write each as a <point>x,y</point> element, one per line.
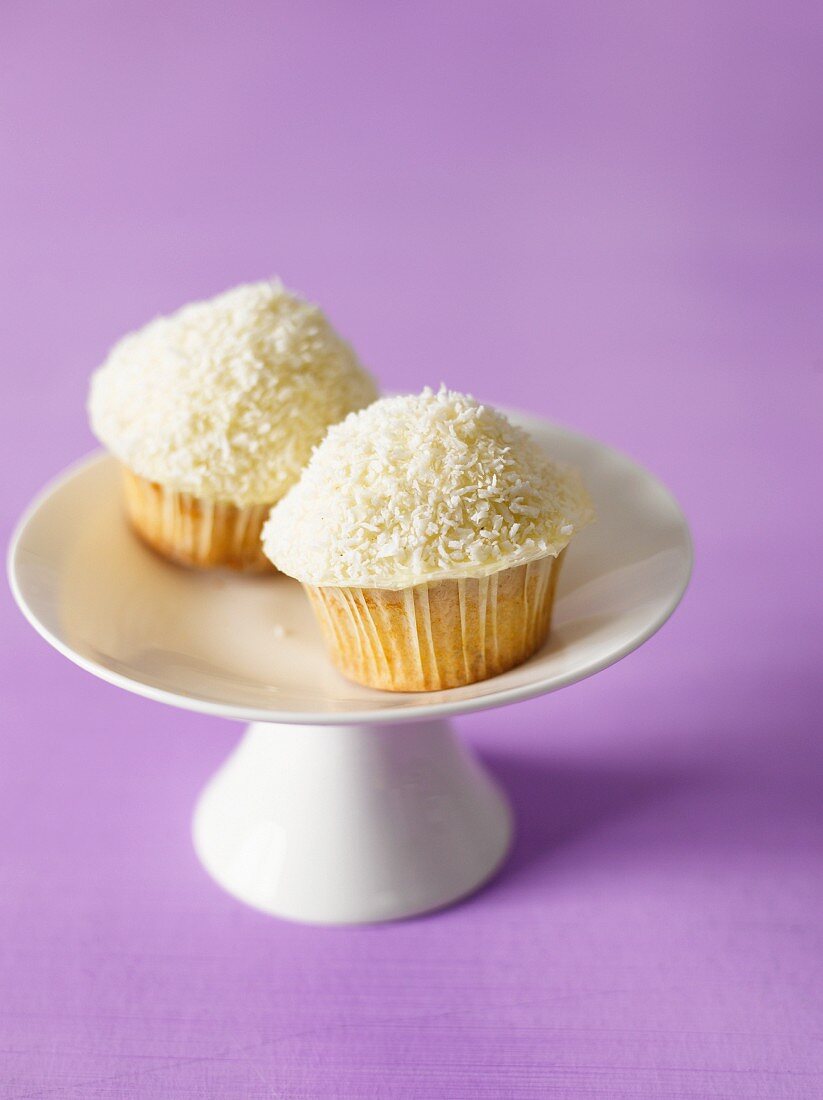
<point>423,488</point>
<point>225,399</point>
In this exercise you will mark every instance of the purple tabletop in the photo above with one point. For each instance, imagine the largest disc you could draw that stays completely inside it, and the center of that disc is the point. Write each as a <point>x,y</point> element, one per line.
<point>608,214</point>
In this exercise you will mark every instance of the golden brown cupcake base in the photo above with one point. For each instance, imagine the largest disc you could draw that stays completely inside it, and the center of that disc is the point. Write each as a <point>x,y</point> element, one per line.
<point>438,635</point>
<point>195,532</point>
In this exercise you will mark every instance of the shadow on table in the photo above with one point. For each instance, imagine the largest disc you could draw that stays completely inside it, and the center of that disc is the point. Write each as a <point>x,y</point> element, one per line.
<point>558,805</point>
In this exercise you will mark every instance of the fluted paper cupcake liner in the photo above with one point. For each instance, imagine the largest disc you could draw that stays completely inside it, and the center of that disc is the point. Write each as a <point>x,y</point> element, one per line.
<point>440,634</point>
<point>196,532</point>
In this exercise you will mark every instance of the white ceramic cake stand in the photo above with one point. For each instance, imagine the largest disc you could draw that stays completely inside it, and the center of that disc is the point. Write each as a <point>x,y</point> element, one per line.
<point>341,804</point>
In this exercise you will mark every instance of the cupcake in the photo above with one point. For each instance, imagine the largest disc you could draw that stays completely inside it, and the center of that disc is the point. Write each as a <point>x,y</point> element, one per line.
<point>213,412</point>
<point>428,532</point>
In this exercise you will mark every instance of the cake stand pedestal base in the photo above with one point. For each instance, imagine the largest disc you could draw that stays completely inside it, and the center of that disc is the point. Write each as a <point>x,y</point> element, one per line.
<point>351,824</point>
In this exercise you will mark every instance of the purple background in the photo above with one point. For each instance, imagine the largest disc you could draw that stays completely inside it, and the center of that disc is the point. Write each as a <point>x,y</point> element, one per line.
<point>608,214</point>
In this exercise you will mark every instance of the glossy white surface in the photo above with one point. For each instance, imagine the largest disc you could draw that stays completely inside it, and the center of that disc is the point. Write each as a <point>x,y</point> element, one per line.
<point>330,811</point>
<point>345,824</point>
<point>249,648</point>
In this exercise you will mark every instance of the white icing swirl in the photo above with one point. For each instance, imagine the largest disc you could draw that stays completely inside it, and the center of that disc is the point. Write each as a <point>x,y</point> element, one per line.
<point>423,488</point>
<point>225,399</point>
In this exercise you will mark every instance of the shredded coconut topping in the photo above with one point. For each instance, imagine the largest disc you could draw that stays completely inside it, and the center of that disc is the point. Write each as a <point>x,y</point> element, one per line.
<point>225,399</point>
<point>423,488</point>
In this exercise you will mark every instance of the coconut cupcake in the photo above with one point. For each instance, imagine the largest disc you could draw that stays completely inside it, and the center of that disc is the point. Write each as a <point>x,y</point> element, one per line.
<point>428,532</point>
<point>213,412</point>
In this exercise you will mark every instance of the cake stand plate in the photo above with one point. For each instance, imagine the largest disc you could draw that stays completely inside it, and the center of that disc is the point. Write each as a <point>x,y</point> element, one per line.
<point>341,804</point>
